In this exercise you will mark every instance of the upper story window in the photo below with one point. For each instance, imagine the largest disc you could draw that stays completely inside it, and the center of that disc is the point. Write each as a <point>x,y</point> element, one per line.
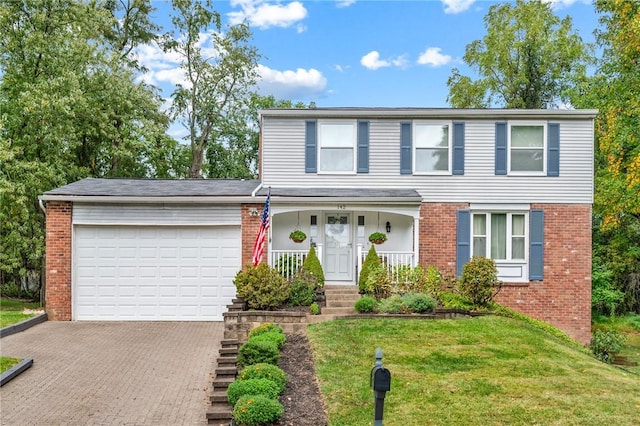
<point>432,146</point>
<point>336,147</point>
<point>527,147</point>
<point>499,236</point>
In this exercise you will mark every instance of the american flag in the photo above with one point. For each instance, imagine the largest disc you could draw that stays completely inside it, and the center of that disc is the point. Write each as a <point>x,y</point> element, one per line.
<point>258,246</point>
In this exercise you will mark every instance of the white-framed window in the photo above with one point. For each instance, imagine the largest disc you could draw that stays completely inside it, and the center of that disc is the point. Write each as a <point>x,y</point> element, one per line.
<point>337,146</point>
<point>432,147</point>
<point>501,236</point>
<point>527,148</point>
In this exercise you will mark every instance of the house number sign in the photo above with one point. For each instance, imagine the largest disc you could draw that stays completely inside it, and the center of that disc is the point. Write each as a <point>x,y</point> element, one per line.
<point>342,207</point>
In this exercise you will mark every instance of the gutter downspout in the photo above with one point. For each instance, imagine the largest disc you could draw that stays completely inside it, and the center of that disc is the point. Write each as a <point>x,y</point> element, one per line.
<point>44,210</point>
<point>255,191</point>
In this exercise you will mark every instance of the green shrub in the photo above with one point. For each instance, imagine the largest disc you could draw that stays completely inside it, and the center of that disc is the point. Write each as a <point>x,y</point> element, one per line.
<point>605,298</point>
<point>266,327</point>
<point>256,351</point>
<point>288,264</point>
<point>433,280</point>
<point>606,343</point>
<point>312,265</point>
<point>418,303</point>
<point>455,301</point>
<point>255,410</point>
<point>264,371</point>
<point>240,388</point>
<point>261,287</point>
<point>314,308</point>
<point>366,305</point>
<point>278,339</point>
<point>302,289</point>
<point>479,282</point>
<point>378,283</point>
<point>370,261</point>
<point>401,277</point>
<point>392,305</point>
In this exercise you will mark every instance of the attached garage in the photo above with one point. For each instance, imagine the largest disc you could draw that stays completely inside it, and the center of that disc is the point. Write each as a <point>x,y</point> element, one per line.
<point>145,250</point>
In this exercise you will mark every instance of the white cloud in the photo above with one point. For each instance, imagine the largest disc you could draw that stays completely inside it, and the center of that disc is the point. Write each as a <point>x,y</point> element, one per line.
<point>263,15</point>
<point>456,6</point>
<point>292,85</point>
<point>372,61</point>
<point>559,4</point>
<point>433,57</point>
<point>344,3</point>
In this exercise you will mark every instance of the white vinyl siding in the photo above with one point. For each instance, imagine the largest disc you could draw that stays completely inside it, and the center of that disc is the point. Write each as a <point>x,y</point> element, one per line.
<point>431,147</point>
<point>283,165</point>
<point>154,214</point>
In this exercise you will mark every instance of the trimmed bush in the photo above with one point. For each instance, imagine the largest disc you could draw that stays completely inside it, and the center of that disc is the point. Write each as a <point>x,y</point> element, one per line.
<point>255,351</point>
<point>378,283</point>
<point>392,305</point>
<point>479,282</point>
<point>240,388</point>
<point>255,410</point>
<point>370,261</point>
<point>302,289</point>
<point>264,371</point>
<point>274,337</point>
<point>261,287</point>
<point>606,343</point>
<point>366,305</point>
<point>266,327</point>
<point>418,303</point>
<point>314,308</point>
<point>312,265</point>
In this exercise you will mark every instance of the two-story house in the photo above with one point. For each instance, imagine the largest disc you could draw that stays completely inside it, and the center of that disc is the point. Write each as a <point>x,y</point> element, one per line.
<point>443,184</point>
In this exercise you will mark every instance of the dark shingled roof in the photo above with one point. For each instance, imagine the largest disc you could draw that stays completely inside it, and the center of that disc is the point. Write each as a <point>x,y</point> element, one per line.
<point>343,192</point>
<point>158,187</point>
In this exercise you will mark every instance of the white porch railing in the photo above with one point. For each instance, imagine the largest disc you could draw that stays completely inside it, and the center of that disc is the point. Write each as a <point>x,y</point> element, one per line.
<point>287,262</point>
<point>396,262</point>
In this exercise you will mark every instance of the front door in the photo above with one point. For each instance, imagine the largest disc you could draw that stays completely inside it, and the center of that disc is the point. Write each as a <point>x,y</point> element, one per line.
<point>338,257</point>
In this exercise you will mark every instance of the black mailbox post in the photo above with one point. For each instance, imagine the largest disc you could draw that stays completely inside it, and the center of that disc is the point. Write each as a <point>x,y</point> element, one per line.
<point>381,383</point>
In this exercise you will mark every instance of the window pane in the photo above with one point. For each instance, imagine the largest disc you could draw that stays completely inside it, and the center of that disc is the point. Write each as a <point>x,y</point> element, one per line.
<point>480,246</point>
<point>431,136</point>
<point>336,159</point>
<point>527,160</point>
<point>517,248</point>
<point>527,136</point>
<point>430,160</point>
<point>479,224</point>
<point>517,224</point>
<point>337,135</point>
<point>499,236</point>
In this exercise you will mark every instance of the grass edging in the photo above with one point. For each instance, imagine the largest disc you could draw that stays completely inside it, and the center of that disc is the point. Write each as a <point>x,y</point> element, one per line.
<point>23,325</point>
<point>15,371</point>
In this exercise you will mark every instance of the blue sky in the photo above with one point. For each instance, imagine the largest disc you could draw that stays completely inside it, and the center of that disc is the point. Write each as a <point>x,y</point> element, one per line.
<point>356,53</point>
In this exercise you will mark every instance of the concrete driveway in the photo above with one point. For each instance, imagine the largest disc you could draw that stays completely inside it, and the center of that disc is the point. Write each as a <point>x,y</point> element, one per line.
<point>112,373</point>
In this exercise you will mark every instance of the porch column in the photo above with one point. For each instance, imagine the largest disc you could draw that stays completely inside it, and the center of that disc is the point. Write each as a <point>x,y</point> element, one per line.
<point>416,241</point>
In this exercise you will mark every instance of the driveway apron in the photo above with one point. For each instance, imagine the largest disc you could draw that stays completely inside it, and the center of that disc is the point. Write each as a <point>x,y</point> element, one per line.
<point>112,373</point>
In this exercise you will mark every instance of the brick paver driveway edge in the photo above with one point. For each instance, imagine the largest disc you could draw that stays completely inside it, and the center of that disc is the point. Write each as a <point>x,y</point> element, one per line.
<point>112,373</point>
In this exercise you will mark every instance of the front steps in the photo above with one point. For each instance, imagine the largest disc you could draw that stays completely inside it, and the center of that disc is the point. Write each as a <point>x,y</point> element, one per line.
<point>339,300</point>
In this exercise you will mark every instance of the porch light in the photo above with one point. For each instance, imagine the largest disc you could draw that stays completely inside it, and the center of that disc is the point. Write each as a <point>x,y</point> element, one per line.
<point>388,227</point>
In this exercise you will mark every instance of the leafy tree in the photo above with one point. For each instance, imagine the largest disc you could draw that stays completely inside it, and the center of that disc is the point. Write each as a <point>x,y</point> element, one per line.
<point>213,98</point>
<point>528,59</point>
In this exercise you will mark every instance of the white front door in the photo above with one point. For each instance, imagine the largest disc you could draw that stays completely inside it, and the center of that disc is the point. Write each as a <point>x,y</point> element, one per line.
<point>338,257</point>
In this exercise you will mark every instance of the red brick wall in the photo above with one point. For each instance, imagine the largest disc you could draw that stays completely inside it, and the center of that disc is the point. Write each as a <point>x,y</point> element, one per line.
<point>563,298</point>
<point>58,263</point>
<point>250,227</point>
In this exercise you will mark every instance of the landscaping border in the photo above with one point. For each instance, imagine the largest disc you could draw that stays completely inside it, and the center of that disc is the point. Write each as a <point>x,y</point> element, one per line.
<point>15,371</point>
<point>23,325</point>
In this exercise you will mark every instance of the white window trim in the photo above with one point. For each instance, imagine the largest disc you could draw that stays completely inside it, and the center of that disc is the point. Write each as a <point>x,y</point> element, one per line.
<point>543,124</point>
<point>509,235</point>
<point>449,148</point>
<point>354,146</point>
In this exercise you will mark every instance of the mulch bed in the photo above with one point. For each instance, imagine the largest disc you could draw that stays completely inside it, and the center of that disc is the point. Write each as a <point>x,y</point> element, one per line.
<point>303,404</point>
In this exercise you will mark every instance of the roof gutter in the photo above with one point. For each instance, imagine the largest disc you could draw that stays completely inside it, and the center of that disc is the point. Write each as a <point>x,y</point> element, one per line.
<point>255,191</point>
<point>41,204</point>
<point>148,200</point>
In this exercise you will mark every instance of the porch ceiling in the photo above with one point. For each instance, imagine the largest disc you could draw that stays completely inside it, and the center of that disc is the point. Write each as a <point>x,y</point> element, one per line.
<point>345,194</point>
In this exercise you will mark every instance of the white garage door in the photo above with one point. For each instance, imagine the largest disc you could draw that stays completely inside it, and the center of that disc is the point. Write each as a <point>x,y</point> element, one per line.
<point>154,273</point>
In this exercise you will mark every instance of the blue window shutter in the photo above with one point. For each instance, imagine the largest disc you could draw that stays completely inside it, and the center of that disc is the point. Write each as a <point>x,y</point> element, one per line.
<point>406,166</point>
<point>463,240</point>
<point>501,149</point>
<point>553,149</point>
<point>458,149</point>
<point>310,147</point>
<point>363,147</point>
<point>536,245</point>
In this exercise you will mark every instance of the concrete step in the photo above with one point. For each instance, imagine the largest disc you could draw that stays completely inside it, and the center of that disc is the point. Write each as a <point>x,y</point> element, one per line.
<point>227,370</point>
<point>229,343</point>
<point>338,311</point>
<point>218,396</point>
<point>343,303</point>
<point>219,413</point>
<point>340,290</point>
<point>229,351</point>
<point>222,383</point>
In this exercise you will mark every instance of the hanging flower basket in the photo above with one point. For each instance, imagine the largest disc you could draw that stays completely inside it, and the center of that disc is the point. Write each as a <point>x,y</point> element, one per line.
<point>378,237</point>
<point>297,236</point>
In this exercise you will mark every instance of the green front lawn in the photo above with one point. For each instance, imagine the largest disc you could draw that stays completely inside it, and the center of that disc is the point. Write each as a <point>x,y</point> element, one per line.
<point>7,362</point>
<point>486,370</point>
<point>629,325</point>
<point>11,311</point>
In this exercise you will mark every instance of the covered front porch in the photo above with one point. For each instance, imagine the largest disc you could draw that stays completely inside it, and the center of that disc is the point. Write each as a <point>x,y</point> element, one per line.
<point>339,229</point>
